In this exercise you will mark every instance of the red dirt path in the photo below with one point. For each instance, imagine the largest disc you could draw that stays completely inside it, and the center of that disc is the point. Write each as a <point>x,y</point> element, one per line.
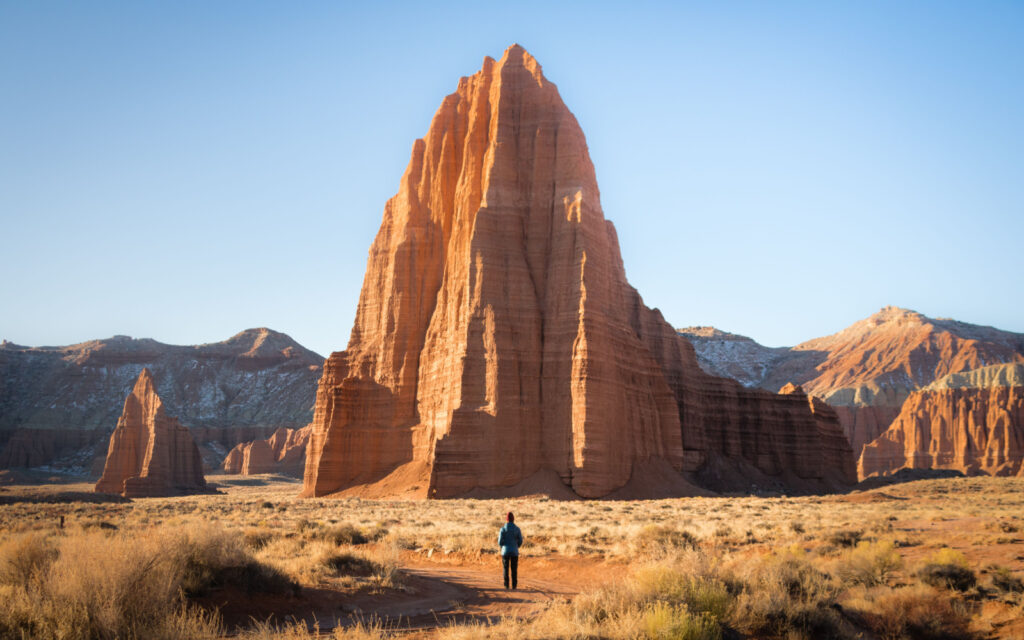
<point>435,593</point>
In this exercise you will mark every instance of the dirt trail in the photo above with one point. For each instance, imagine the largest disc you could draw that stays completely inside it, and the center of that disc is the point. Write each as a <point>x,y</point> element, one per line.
<point>434,594</point>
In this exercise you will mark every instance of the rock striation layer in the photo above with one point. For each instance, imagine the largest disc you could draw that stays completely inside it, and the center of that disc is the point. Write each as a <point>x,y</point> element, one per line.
<point>58,404</point>
<point>497,342</point>
<point>284,452</point>
<point>867,370</point>
<point>150,453</point>
<point>971,430</point>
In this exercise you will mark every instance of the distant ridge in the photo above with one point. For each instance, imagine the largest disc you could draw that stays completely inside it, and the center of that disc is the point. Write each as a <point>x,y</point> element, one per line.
<point>58,404</point>
<point>867,370</point>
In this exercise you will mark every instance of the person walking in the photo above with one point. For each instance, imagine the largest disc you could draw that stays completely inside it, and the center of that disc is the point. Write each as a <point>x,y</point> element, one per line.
<point>510,538</point>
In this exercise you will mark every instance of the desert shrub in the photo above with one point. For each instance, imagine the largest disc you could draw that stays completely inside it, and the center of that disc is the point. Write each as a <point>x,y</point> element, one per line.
<point>305,524</point>
<point>387,558</point>
<point>250,576</point>
<point>372,629</point>
<point>947,568</point>
<point>699,593</point>
<point>376,533</point>
<point>212,558</point>
<point>796,526</point>
<point>786,595</point>
<point>662,620</point>
<point>24,557</point>
<point>845,538</point>
<point>946,555</point>
<point>98,585</point>
<point>1005,581</point>
<point>917,612</point>
<point>661,539</point>
<point>1007,527</point>
<point>343,534</point>
<point>949,576</point>
<point>870,563</point>
<point>686,597</point>
<point>350,564</point>
<point>258,538</point>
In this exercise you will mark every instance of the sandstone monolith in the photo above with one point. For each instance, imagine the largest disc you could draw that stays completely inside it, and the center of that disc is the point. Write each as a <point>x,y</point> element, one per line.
<point>150,452</point>
<point>498,345</point>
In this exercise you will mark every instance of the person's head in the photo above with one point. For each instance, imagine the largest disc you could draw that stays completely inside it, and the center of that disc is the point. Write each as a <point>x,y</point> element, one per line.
<point>511,517</point>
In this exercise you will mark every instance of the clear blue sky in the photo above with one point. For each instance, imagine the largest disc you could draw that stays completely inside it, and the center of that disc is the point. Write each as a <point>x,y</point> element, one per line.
<point>186,170</point>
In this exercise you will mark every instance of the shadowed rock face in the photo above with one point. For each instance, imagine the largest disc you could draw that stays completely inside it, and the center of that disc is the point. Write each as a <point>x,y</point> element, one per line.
<point>284,452</point>
<point>150,453</point>
<point>497,339</point>
<point>972,430</point>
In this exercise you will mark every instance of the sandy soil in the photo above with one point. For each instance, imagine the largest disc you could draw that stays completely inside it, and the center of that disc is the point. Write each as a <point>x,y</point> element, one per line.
<point>435,593</point>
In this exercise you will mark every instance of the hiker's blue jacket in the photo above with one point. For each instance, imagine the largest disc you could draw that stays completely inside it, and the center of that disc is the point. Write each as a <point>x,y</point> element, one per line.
<point>510,538</point>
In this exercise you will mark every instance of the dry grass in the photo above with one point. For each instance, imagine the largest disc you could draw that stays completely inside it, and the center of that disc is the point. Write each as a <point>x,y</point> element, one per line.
<point>786,567</point>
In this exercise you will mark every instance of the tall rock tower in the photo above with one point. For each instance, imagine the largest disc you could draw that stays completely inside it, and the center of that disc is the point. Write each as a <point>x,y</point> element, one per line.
<point>150,452</point>
<point>497,340</point>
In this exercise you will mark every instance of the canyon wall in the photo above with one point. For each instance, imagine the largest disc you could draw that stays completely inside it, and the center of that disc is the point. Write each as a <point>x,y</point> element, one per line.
<point>972,430</point>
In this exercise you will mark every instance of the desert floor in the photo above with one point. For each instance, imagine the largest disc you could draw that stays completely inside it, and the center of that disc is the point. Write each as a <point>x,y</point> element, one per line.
<point>927,559</point>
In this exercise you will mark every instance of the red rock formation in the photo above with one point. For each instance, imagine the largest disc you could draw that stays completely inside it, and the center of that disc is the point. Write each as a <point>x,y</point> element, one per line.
<point>976,431</point>
<point>284,452</point>
<point>867,370</point>
<point>150,453</point>
<point>862,424</point>
<point>873,365</point>
<point>497,340</point>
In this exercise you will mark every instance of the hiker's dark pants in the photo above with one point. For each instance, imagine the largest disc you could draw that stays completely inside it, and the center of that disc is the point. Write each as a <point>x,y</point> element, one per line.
<point>511,562</point>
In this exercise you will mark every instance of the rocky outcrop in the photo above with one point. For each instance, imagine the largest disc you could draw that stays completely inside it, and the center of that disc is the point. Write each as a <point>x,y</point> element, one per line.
<point>863,423</point>
<point>497,341</point>
<point>730,355</point>
<point>996,375</point>
<point>58,404</point>
<point>867,370</point>
<point>284,452</point>
<point>150,453</point>
<point>974,431</point>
